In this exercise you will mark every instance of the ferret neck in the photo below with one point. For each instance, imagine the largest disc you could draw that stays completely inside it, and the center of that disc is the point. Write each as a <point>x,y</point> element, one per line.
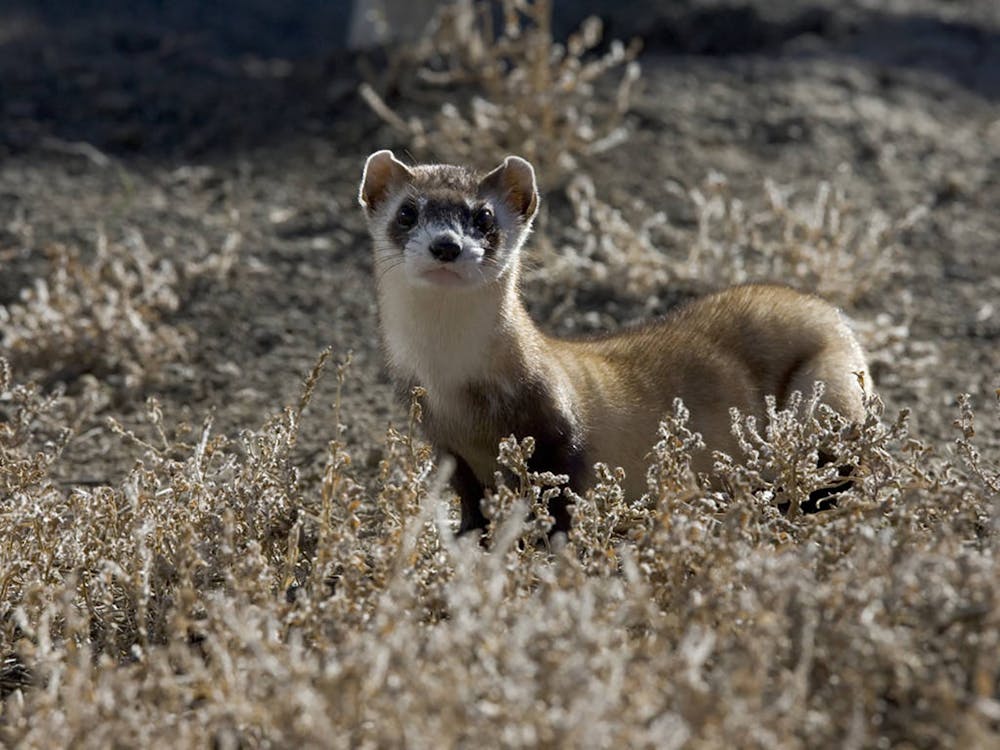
<point>445,338</point>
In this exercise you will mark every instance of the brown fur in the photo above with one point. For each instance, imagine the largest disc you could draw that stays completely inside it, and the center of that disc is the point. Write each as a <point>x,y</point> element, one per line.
<point>728,349</point>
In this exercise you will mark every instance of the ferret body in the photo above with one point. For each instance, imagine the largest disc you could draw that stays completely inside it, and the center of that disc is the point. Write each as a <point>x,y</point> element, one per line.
<point>447,262</point>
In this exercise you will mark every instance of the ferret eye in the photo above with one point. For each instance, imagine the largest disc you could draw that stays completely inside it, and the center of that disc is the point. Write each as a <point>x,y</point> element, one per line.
<point>484,220</point>
<point>406,217</point>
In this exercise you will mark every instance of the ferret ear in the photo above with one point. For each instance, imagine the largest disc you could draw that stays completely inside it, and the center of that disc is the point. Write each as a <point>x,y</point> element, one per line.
<point>514,181</point>
<point>382,172</point>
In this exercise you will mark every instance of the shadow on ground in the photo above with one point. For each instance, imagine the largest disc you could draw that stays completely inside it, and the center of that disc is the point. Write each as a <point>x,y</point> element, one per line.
<point>192,79</point>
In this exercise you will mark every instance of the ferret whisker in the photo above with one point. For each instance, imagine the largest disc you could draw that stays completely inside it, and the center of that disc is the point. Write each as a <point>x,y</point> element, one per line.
<point>384,265</point>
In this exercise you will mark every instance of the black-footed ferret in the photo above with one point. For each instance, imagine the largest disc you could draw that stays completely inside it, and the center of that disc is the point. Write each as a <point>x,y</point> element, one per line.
<point>447,261</point>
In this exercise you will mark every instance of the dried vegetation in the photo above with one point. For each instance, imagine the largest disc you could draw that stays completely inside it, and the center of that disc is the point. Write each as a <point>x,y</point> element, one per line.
<point>527,92</point>
<point>213,595</point>
<point>103,315</point>
<point>218,594</point>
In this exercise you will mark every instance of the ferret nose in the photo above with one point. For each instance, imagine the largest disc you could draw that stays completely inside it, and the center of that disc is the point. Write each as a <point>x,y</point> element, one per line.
<point>445,249</point>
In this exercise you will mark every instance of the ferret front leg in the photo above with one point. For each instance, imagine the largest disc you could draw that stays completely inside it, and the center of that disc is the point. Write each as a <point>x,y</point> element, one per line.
<point>559,455</point>
<point>470,491</point>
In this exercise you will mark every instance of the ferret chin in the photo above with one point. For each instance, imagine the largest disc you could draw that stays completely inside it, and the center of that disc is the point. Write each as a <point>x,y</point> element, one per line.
<point>447,244</point>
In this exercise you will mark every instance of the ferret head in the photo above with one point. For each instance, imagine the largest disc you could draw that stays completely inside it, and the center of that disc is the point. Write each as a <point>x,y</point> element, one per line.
<point>445,226</point>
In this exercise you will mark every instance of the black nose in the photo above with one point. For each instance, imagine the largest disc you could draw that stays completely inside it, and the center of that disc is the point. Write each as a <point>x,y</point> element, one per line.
<point>445,249</point>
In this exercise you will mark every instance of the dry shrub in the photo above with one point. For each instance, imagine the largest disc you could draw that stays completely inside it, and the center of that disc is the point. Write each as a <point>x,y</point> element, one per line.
<point>528,94</point>
<point>29,442</point>
<point>104,315</point>
<point>988,476</point>
<point>792,451</point>
<point>602,246</point>
<point>826,245</point>
<point>214,596</point>
<point>527,501</point>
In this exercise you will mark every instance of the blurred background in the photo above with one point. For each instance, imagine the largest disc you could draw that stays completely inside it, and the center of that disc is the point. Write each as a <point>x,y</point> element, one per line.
<point>181,75</point>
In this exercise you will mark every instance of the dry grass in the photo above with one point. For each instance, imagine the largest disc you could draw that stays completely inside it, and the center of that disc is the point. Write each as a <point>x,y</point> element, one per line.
<point>527,93</point>
<point>213,596</point>
<point>219,595</point>
<point>827,245</point>
<point>102,314</point>
<point>824,242</point>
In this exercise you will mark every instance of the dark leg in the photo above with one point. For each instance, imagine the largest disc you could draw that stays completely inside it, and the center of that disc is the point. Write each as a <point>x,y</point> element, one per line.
<point>825,498</point>
<point>470,491</point>
<point>560,457</point>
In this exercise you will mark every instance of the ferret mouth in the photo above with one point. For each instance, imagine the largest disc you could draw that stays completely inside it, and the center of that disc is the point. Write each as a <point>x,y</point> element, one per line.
<point>444,276</point>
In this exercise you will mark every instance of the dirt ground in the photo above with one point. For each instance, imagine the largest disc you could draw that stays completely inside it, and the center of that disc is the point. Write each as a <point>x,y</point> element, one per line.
<point>198,141</point>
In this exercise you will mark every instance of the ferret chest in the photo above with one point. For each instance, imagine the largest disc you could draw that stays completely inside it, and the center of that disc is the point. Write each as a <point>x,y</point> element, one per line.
<point>473,419</point>
<point>438,342</point>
